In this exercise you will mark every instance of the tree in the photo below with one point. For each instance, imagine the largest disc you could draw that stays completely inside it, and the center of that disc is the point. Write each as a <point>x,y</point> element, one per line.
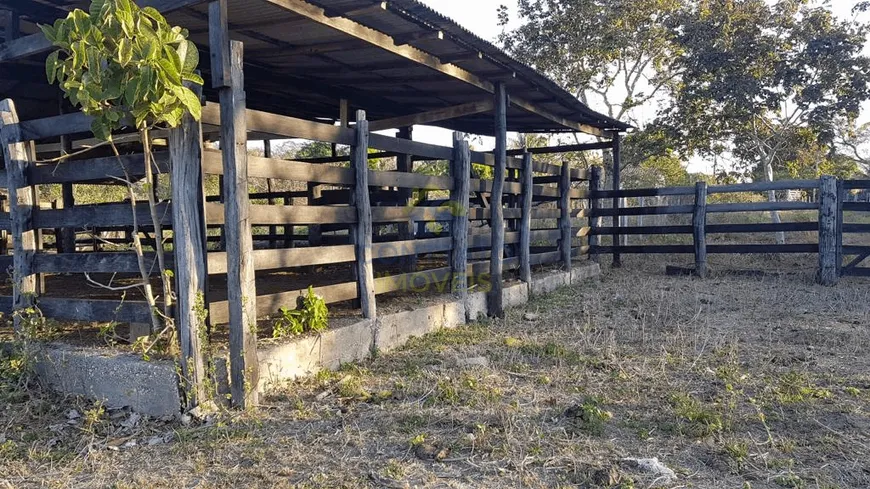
<point>126,67</point>
<point>757,77</point>
<point>618,54</point>
<point>618,51</point>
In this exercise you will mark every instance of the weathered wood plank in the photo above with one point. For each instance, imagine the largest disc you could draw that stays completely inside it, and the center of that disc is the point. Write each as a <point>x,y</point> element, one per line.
<point>526,219</point>
<point>19,162</point>
<point>362,231</point>
<point>189,249</point>
<point>98,169</point>
<point>91,310</point>
<point>699,233</point>
<point>565,216</point>
<point>762,206</point>
<point>435,115</point>
<point>101,262</point>
<point>828,270</point>
<point>97,215</point>
<point>241,289</point>
<point>495,305</point>
<point>459,198</point>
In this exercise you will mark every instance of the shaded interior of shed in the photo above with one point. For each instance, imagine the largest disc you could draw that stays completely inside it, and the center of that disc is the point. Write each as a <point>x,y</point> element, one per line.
<point>390,59</point>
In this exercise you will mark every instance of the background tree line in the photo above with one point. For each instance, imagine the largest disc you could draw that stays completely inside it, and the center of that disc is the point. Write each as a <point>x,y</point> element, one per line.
<point>759,89</point>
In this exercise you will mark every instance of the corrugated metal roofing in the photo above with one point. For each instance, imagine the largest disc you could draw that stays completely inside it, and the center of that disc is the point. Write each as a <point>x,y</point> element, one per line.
<point>300,67</point>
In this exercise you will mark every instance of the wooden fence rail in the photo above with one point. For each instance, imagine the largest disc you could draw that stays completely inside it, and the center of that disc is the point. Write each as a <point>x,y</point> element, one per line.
<point>829,227</point>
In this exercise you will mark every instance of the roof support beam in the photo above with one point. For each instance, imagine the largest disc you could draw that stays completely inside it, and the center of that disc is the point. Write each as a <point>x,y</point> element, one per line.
<point>332,12</point>
<point>37,43</point>
<point>404,39</point>
<point>530,107</point>
<point>436,115</point>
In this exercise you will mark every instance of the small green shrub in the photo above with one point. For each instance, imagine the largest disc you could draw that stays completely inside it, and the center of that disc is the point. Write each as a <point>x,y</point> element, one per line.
<point>311,314</point>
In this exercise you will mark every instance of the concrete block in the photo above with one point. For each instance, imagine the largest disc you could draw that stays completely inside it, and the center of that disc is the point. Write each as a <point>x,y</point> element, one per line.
<point>346,344</point>
<point>476,305</point>
<point>585,271</point>
<point>396,329</point>
<point>454,314</point>
<point>291,360</point>
<point>117,379</point>
<point>549,282</point>
<point>515,295</point>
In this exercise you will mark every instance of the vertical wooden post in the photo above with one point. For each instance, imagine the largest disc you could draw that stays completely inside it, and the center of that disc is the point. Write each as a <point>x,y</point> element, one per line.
<point>241,288</point>
<point>18,165</point>
<point>841,197</point>
<point>495,305</point>
<point>288,229</point>
<point>460,169</point>
<point>189,248</point>
<point>594,217</point>
<point>565,216</point>
<point>526,220</point>
<point>699,229</point>
<point>828,273</point>
<point>617,163</point>
<point>67,240</point>
<point>362,231</point>
<point>273,229</point>
<point>405,163</point>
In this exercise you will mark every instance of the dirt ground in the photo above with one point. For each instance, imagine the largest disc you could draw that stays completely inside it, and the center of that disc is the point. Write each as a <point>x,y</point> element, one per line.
<point>730,382</point>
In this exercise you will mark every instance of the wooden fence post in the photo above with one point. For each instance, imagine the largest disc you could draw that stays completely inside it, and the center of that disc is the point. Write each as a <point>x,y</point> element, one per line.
<point>565,215</point>
<point>841,197</point>
<point>495,301</point>
<point>362,231</point>
<point>617,164</point>
<point>273,229</point>
<point>459,198</point>
<point>526,220</point>
<point>828,205</point>
<point>241,287</point>
<point>18,165</point>
<point>594,218</point>
<point>405,163</point>
<point>699,229</point>
<point>189,248</point>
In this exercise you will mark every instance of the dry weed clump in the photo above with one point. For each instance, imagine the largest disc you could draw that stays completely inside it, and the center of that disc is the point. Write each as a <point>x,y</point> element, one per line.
<point>758,382</point>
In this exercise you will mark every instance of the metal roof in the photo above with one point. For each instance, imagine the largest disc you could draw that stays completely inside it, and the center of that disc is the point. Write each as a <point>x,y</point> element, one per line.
<point>298,66</point>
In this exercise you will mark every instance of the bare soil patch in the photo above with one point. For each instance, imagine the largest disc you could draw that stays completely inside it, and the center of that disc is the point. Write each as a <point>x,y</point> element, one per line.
<point>736,381</point>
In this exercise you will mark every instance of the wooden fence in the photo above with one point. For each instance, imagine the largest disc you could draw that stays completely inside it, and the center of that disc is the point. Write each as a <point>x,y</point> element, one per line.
<point>351,215</point>
<point>827,197</point>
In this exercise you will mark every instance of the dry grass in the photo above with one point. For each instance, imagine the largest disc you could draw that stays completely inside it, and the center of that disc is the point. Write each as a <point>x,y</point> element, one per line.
<point>732,382</point>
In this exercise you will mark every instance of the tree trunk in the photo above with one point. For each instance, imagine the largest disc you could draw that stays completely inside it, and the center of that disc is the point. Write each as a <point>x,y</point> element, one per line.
<point>771,197</point>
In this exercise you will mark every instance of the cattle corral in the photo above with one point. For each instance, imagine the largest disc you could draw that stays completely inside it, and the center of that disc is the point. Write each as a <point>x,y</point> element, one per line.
<point>354,234</point>
<point>369,226</point>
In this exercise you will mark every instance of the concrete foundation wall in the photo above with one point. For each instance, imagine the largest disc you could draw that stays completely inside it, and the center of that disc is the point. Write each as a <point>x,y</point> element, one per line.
<point>306,356</point>
<point>125,380</point>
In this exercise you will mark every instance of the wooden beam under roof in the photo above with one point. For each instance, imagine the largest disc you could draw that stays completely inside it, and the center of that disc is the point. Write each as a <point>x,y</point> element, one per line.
<point>404,39</point>
<point>37,43</point>
<point>436,115</point>
<point>387,43</point>
<point>333,12</point>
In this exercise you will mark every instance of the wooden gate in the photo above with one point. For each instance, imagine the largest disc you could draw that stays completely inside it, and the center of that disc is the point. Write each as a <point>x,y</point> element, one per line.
<point>854,228</point>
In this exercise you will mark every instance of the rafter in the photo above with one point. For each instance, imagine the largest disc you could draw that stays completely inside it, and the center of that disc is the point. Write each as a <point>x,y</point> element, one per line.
<point>430,116</point>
